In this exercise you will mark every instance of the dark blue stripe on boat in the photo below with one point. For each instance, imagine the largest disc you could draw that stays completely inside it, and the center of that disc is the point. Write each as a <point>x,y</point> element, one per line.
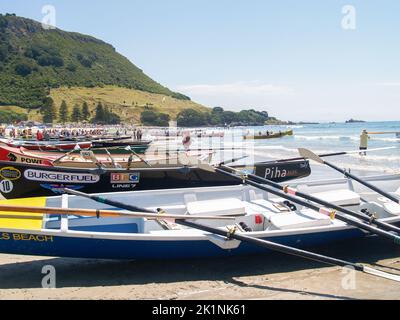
<point>151,249</point>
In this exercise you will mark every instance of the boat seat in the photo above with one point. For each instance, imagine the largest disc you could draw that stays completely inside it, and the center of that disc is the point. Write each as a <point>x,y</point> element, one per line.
<point>341,197</point>
<point>263,207</point>
<point>301,219</point>
<point>22,221</point>
<point>392,208</point>
<point>191,197</point>
<point>220,207</point>
<point>254,196</point>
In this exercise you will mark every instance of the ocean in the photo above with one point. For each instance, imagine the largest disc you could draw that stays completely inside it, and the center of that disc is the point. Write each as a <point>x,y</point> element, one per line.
<point>320,138</point>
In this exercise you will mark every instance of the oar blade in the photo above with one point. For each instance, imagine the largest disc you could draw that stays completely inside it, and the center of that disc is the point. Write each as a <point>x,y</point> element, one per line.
<point>381,274</point>
<point>308,154</point>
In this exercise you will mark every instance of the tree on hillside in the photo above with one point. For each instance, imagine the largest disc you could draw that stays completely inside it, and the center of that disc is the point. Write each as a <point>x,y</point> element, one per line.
<point>63,112</point>
<point>76,114</point>
<point>110,117</point>
<point>100,115</point>
<point>48,110</point>
<point>152,118</point>
<point>105,116</point>
<point>85,112</point>
<point>191,118</point>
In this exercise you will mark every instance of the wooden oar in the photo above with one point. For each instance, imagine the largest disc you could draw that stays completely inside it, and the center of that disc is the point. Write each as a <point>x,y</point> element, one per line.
<point>260,242</point>
<point>15,210</point>
<point>112,159</point>
<point>295,196</point>
<point>308,154</point>
<point>389,132</point>
<point>128,148</point>
<point>76,148</point>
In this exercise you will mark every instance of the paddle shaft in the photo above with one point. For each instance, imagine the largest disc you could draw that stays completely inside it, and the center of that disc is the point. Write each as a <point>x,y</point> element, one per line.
<point>13,210</point>
<point>389,132</point>
<point>107,201</point>
<point>348,220</point>
<point>365,183</point>
<point>341,153</point>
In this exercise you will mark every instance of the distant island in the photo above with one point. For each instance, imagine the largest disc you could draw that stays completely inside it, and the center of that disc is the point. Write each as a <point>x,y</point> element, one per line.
<point>355,121</point>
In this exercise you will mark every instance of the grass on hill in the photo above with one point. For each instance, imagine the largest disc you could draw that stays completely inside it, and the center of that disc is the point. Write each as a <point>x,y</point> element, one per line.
<point>127,103</point>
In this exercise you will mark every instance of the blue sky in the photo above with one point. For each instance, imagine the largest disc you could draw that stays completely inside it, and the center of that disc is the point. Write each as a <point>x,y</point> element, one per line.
<point>291,58</point>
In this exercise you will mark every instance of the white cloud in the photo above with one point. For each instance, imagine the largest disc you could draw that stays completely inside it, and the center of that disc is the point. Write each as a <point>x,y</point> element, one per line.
<point>238,88</point>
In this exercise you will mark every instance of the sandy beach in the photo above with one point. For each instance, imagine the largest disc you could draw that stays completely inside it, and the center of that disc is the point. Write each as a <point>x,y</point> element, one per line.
<point>273,276</point>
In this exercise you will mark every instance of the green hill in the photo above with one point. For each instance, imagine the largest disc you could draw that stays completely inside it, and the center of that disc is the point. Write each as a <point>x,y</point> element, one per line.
<point>34,61</point>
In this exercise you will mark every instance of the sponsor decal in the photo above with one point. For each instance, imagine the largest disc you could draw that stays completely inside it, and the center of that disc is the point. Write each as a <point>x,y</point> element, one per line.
<point>125,177</point>
<point>304,165</point>
<point>6,186</point>
<point>123,185</point>
<point>274,173</point>
<point>86,154</point>
<point>12,157</point>
<point>60,177</point>
<point>10,173</point>
<point>30,160</point>
<point>58,188</point>
<point>25,237</point>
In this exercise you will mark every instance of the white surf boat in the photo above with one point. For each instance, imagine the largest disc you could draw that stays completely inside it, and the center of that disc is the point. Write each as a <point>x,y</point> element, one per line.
<point>256,214</point>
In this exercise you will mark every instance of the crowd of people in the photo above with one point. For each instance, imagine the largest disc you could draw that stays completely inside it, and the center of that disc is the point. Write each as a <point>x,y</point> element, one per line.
<point>43,134</point>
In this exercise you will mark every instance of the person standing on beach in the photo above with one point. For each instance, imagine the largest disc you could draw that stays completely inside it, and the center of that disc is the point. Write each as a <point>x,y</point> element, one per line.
<point>364,142</point>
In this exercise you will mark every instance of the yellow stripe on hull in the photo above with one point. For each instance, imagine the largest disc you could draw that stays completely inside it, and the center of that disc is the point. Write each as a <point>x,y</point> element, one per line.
<point>18,220</point>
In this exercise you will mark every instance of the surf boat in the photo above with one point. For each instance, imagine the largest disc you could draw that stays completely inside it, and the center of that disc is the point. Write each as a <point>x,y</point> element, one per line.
<point>47,145</point>
<point>269,136</point>
<point>69,230</point>
<point>88,159</point>
<point>26,176</point>
<point>108,143</point>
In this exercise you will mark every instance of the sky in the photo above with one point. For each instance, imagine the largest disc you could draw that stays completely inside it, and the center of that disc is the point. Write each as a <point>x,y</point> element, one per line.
<point>307,60</point>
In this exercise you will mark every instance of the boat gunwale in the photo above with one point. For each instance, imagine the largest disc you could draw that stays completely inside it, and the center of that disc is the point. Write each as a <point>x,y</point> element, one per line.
<point>185,236</point>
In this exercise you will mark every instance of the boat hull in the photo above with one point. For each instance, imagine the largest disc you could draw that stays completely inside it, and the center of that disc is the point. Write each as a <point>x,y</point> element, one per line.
<point>271,136</point>
<point>49,145</point>
<point>100,247</point>
<point>121,143</point>
<point>21,180</point>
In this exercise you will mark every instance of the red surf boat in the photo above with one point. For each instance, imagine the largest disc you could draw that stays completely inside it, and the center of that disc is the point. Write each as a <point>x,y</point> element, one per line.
<point>87,159</point>
<point>47,145</point>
